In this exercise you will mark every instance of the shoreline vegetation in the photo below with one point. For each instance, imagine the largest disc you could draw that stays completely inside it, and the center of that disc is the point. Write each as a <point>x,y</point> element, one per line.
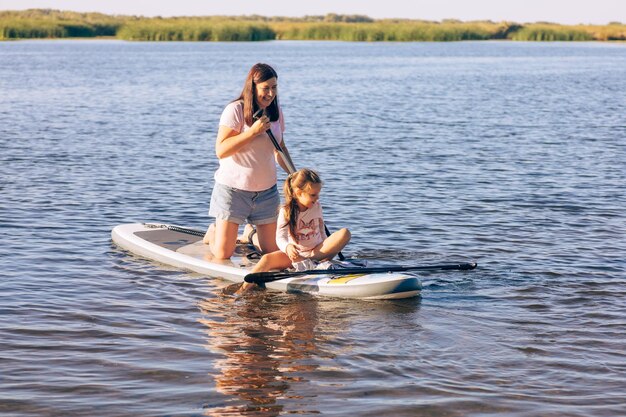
<point>54,24</point>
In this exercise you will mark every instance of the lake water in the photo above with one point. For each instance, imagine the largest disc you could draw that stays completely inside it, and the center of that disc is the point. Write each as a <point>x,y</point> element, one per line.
<point>510,154</point>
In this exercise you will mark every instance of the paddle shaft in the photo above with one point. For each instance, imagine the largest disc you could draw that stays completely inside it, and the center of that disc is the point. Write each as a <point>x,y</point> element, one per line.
<point>286,160</point>
<point>289,164</point>
<point>263,277</point>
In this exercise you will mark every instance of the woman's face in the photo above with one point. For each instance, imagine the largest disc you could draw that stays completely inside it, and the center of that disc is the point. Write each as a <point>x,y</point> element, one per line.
<point>266,92</point>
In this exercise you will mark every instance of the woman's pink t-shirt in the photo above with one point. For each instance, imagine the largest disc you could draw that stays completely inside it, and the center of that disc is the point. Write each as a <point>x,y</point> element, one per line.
<point>253,167</point>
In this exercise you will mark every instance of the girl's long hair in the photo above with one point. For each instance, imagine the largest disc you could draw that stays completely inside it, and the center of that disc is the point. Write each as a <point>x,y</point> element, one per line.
<point>259,73</point>
<point>296,180</point>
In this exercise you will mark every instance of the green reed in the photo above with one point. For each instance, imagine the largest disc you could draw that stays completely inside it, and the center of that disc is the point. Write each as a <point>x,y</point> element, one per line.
<point>45,23</point>
<point>207,29</point>
<point>614,31</point>
<point>551,33</point>
<point>389,30</point>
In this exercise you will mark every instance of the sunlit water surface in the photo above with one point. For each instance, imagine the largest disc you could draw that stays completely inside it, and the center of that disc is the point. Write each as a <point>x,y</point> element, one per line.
<point>510,154</point>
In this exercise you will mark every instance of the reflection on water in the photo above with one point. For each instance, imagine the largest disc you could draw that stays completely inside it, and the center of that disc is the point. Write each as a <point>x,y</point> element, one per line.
<point>286,353</point>
<point>265,343</point>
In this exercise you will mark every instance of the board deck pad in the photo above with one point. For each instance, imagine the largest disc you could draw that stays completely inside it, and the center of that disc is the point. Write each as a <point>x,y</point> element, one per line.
<point>169,239</point>
<point>245,255</point>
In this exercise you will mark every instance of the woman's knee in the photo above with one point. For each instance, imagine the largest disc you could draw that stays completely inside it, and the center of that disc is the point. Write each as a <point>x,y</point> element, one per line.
<point>222,253</point>
<point>225,239</point>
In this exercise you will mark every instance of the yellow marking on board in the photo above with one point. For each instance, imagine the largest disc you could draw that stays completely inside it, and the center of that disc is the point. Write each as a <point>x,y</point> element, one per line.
<point>345,279</point>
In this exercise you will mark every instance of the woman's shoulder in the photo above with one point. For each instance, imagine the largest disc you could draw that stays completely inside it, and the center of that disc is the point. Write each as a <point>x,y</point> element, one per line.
<point>232,116</point>
<point>234,106</point>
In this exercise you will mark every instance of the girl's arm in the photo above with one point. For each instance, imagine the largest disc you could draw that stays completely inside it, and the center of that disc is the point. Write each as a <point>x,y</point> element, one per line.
<point>283,242</point>
<point>282,232</point>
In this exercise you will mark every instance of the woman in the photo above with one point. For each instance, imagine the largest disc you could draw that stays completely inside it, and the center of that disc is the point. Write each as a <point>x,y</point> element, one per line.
<point>245,182</point>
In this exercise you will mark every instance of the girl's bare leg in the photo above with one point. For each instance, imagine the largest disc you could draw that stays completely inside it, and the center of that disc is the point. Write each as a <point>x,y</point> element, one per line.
<point>275,260</point>
<point>332,245</point>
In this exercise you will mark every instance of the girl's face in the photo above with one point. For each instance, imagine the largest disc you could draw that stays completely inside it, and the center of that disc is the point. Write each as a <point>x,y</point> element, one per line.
<point>266,92</point>
<point>308,196</point>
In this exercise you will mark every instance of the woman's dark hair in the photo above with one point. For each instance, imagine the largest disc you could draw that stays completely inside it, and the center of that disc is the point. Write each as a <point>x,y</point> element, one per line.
<point>258,73</point>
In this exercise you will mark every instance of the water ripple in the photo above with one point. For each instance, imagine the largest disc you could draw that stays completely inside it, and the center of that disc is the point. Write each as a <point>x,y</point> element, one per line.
<point>510,154</point>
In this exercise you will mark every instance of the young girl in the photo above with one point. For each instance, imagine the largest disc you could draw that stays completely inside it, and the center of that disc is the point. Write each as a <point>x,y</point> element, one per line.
<point>300,234</point>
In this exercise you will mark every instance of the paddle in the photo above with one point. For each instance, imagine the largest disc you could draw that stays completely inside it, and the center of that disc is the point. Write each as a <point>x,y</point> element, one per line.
<point>263,277</point>
<point>288,163</point>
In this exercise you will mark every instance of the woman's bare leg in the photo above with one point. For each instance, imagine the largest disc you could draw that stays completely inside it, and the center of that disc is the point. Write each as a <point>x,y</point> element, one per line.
<point>209,235</point>
<point>266,235</point>
<point>245,235</point>
<point>222,238</point>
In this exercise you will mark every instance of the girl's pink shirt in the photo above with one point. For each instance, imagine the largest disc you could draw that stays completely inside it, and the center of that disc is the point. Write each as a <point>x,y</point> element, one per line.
<point>309,230</point>
<point>253,167</point>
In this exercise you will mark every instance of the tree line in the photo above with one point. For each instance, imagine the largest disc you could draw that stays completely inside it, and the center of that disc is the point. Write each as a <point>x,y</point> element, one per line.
<point>47,23</point>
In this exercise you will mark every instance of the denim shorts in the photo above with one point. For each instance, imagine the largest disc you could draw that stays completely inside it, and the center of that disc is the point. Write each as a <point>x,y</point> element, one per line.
<point>239,206</point>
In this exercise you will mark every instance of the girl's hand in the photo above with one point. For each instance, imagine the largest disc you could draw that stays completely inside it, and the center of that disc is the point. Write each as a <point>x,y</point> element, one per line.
<point>261,125</point>
<point>292,253</point>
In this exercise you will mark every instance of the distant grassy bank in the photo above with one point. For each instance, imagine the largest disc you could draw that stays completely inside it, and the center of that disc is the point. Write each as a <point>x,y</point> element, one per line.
<point>46,23</point>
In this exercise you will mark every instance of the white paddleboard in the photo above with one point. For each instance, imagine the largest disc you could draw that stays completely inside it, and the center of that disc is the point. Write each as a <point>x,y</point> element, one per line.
<point>183,248</point>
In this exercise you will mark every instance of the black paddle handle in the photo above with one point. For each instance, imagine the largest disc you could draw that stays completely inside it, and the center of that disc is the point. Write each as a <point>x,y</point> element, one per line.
<point>263,277</point>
